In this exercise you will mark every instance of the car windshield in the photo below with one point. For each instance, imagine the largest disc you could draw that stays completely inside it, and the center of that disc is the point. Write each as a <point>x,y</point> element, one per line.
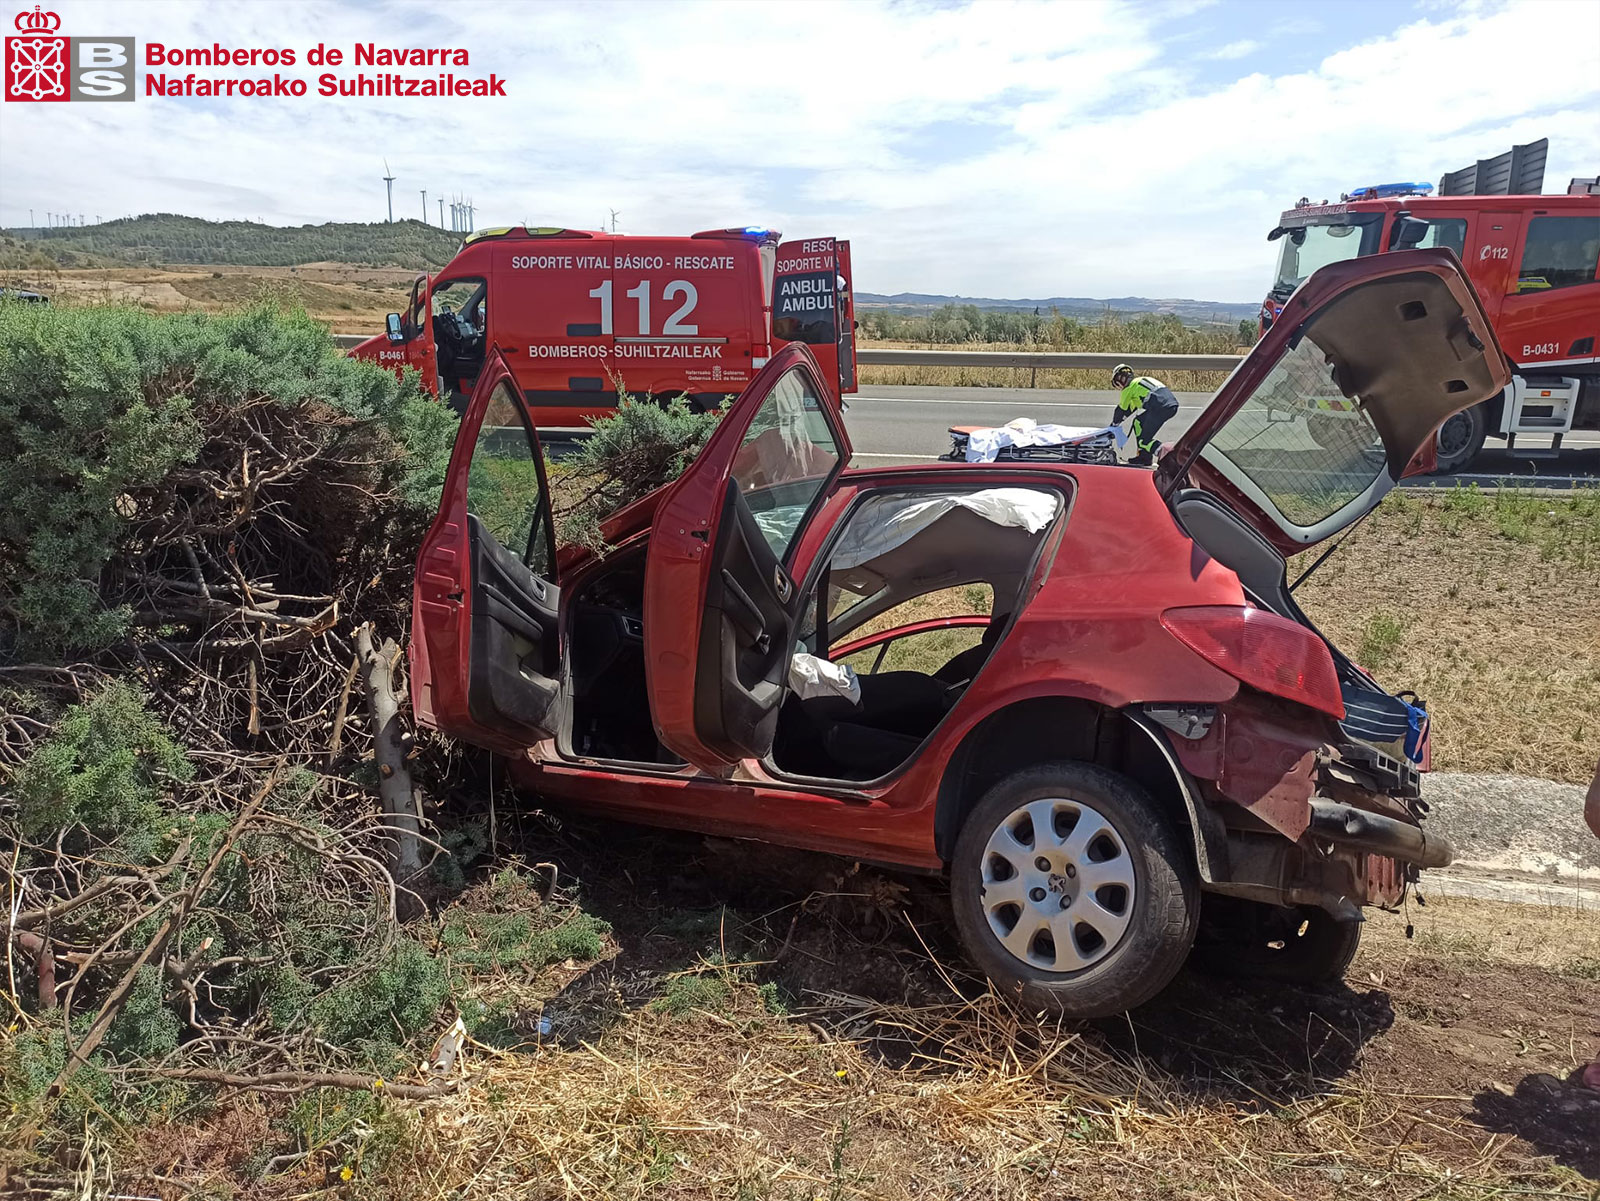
<point>1299,444</point>
<point>1304,248</point>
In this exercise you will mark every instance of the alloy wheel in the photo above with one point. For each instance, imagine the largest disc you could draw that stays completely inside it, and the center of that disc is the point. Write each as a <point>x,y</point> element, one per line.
<point>1058,885</point>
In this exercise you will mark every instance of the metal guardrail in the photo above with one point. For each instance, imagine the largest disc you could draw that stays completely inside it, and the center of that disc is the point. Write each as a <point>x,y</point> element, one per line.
<point>1002,358</point>
<point>1037,359</point>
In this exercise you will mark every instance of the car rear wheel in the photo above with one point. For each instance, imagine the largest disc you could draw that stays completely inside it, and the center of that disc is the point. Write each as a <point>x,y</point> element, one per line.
<point>1460,439</point>
<point>1299,944</point>
<point>1073,890</point>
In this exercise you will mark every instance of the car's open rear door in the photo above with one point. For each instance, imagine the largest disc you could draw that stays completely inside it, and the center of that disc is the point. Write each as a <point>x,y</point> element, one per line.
<point>721,604</point>
<point>485,659</point>
<point>1341,398</point>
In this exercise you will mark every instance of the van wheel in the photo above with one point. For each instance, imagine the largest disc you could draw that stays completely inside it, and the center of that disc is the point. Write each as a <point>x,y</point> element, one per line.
<point>1073,891</point>
<point>1299,944</point>
<point>1460,439</point>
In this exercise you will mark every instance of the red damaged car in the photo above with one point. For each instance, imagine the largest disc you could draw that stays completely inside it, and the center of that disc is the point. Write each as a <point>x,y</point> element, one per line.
<point>1135,734</point>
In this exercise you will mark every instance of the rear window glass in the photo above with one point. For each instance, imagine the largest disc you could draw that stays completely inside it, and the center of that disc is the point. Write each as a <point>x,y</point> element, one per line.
<point>1300,441</point>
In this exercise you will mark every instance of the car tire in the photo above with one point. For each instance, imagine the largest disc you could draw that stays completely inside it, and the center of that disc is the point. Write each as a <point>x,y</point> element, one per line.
<point>1136,896</point>
<point>1460,439</point>
<point>1299,944</point>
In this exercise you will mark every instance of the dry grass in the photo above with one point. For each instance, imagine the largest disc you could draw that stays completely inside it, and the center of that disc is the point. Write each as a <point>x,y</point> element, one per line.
<point>1016,377</point>
<point>1557,938</point>
<point>351,299</point>
<point>964,1096</point>
<point>1485,605</point>
<point>822,1050</point>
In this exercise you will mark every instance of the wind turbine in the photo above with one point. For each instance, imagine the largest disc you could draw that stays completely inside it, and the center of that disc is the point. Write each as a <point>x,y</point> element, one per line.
<point>424,206</point>
<point>388,183</point>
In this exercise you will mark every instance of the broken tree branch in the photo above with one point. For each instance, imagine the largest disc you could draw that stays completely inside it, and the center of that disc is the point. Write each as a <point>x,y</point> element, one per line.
<point>394,775</point>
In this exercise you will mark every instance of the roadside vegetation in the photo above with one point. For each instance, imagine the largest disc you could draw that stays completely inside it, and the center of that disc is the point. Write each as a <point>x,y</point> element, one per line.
<point>1482,602</point>
<point>171,238</point>
<point>966,327</point>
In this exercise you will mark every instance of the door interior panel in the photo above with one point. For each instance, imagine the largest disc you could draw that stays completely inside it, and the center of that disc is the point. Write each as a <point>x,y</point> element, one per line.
<point>746,638</point>
<point>514,672</point>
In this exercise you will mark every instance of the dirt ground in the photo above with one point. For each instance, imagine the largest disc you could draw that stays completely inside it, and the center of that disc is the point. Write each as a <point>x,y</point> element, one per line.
<point>767,1024</point>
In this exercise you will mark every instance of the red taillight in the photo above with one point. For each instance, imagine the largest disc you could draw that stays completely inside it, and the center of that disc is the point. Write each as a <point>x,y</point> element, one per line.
<point>1263,650</point>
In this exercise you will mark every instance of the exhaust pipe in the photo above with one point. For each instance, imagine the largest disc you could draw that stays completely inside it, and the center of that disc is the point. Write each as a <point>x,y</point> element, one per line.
<point>1378,834</point>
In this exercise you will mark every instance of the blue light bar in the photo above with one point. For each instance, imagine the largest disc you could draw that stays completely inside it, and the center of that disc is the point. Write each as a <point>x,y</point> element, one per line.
<point>1379,191</point>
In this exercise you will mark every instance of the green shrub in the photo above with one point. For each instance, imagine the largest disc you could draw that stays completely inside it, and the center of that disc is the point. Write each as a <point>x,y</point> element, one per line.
<point>388,1004</point>
<point>684,993</point>
<point>104,765</point>
<point>632,451</point>
<point>102,411</point>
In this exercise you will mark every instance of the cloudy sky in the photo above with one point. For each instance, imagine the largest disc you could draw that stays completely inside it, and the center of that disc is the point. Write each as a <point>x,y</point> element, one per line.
<point>987,149</point>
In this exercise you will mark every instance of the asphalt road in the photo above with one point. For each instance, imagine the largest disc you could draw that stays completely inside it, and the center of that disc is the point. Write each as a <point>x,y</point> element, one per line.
<point>890,424</point>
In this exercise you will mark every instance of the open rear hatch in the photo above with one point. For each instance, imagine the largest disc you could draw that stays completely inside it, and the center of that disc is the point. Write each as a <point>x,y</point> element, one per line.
<point>1324,416</point>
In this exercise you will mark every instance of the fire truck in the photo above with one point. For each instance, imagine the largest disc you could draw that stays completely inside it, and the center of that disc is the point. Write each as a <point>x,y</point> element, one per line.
<point>1534,260</point>
<point>585,316</point>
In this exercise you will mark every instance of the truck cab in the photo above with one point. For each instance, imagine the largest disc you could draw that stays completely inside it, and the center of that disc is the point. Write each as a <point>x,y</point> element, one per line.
<point>584,317</point>
<point>1535,262</point>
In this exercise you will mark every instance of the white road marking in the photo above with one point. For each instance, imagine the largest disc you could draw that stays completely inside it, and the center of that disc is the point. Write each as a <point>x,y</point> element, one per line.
<point>1004,404</point>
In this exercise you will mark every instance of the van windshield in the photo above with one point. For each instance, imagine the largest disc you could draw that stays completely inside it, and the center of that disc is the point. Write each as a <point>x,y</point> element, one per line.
<point>1304,248</point>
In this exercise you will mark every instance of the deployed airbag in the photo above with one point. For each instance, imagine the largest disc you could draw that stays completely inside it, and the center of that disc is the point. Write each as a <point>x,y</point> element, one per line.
<point>888,520</point>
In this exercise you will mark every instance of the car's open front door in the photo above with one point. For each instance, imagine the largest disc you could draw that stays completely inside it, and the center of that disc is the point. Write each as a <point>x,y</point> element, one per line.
<point>485,658</point>
<point>721,602</point>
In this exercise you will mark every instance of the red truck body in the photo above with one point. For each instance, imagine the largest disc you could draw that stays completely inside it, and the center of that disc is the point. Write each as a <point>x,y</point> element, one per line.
<point>1535,262</point>
<point>584,316</point>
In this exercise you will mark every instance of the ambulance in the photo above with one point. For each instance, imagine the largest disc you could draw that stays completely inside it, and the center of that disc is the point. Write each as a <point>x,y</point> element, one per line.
<point>584,317</point>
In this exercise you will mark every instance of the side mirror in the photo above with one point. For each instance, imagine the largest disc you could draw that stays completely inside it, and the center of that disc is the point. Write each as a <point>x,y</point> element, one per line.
<point>395,330</point>
<point>1408,233</point>
<point>1276,234</point>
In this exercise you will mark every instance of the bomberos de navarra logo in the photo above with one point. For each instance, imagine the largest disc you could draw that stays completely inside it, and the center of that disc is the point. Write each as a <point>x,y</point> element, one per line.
<point>43,65</point>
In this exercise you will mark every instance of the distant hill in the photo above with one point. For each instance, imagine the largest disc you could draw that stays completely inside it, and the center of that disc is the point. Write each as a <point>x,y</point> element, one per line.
<point>170,238</point>
<point>1190,312</point>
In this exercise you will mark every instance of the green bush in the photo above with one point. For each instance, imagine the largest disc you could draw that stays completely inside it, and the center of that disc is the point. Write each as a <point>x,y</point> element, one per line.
<point>104,766</point>
<point>388,1004</point>
<point>105,412</point>
<point>632,451</point>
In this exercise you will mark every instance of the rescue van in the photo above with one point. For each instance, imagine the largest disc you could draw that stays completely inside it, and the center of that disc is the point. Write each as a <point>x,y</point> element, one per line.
<point>1533,258</point>
<point>585,316</point>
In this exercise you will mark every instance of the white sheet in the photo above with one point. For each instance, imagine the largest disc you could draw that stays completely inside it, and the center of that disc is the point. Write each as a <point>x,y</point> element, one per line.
<point>985,445</point>
<point>886,521</point>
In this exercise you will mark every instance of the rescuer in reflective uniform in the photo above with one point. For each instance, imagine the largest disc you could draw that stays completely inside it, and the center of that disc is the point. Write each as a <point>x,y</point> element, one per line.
<point>1152,404</point>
